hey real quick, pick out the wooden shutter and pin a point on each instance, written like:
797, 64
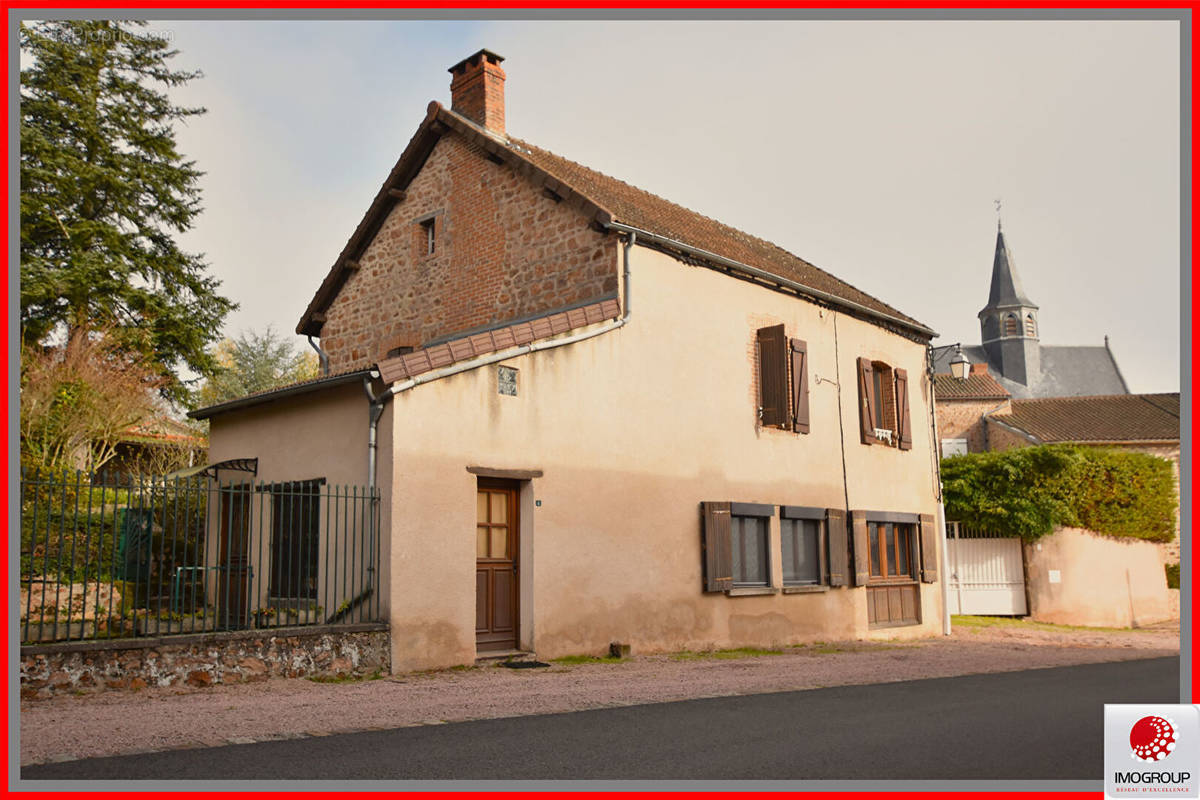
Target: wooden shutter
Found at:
902, 415
716, 543
862, 547
866, 402
835, 523
799, 386
772, 376
929, 549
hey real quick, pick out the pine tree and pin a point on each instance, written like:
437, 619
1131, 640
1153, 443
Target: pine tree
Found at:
104, 193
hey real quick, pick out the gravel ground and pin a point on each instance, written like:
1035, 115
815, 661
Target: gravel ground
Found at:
120, 722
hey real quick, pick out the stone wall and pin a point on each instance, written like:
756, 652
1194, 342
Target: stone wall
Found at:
205, 659
502, 251
963, 419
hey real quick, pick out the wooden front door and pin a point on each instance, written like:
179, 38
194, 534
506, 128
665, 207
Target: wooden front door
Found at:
496, 568
893, 594
233, 586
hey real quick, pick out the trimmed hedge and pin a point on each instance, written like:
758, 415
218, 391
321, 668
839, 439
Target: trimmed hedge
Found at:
1030, 491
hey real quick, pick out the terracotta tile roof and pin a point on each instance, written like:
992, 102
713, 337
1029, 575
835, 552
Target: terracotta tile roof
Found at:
640, 209
1104, 418
427, 359
598, 196
981, 386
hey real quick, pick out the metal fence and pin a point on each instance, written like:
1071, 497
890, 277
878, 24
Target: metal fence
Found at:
104, 558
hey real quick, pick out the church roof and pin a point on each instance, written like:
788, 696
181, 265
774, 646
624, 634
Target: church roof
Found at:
1006, 284
1066, 371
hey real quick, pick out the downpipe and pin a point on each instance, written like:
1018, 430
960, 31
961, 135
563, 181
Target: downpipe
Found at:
937, 471
322, 356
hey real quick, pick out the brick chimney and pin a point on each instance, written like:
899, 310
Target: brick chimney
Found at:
477, 90
979, 369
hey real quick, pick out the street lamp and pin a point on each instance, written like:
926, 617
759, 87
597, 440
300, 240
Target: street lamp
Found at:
960, 365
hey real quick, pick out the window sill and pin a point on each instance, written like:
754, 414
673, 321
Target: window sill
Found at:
814, 589
748, 591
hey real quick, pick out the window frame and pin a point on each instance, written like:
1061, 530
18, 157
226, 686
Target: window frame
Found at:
878, 528
797, 518
761, 514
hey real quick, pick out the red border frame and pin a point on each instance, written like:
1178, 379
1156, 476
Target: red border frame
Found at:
5, 464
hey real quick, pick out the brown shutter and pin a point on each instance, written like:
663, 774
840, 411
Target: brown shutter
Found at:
825, 569
862, 547
772, 376
799, 386
902, 415
717, 545
838, 548
929, 548
866, 402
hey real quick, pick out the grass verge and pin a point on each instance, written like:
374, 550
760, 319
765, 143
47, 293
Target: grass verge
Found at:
1019, 624
575, 660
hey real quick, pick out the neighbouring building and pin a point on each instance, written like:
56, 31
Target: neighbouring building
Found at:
594, 416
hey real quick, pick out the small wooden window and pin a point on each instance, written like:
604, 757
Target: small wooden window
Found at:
429, 232
891, 546
1030, 327
1010, 325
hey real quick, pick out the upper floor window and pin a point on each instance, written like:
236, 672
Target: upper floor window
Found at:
884, 416
429, 230
782, 380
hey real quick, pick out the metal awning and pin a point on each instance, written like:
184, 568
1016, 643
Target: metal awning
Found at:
210, 470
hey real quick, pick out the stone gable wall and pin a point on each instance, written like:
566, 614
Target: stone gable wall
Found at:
503, 250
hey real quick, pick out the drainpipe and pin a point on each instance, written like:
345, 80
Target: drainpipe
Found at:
941, 519
322, 356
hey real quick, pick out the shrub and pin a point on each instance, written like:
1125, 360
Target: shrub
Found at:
1172, 575
1030, 491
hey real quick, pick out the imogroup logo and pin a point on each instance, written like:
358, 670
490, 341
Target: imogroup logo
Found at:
1152, 738
1151, 750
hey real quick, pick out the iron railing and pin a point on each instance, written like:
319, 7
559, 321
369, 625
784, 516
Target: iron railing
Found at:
158, 556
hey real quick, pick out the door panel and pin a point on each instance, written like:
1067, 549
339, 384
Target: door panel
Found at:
496, 570
233, 590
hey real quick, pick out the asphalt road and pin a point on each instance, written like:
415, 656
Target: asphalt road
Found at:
1036, 724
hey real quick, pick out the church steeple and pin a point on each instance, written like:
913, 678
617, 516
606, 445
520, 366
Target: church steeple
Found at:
1009, 321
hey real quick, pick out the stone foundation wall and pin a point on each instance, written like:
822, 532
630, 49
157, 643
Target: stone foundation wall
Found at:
205, 659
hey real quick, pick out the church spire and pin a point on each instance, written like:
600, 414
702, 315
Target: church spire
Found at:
1006, 286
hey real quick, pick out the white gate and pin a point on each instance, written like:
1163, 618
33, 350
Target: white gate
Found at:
986, 575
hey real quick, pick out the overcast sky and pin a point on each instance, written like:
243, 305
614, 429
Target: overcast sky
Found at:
874, 150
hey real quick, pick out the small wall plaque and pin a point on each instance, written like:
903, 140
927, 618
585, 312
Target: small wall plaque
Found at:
507, 381
1055, 576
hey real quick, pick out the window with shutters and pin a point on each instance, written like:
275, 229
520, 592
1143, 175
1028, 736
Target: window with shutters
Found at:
735, 541
884, 404
782, 380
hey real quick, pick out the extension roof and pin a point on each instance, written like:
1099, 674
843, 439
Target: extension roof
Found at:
980, 386
603, 199
1115, 418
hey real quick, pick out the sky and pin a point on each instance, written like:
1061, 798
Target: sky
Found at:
873, 149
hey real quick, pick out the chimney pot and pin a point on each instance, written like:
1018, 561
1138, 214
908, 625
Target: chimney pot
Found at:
477, 90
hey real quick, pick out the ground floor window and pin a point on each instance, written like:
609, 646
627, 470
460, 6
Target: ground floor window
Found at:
801, 551
750, 562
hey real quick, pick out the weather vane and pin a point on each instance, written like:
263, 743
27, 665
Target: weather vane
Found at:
997, 202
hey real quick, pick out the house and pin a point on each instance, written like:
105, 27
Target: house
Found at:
153, 447
594, 416
1012, 349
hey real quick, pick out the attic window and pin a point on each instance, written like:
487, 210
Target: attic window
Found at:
429, 230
